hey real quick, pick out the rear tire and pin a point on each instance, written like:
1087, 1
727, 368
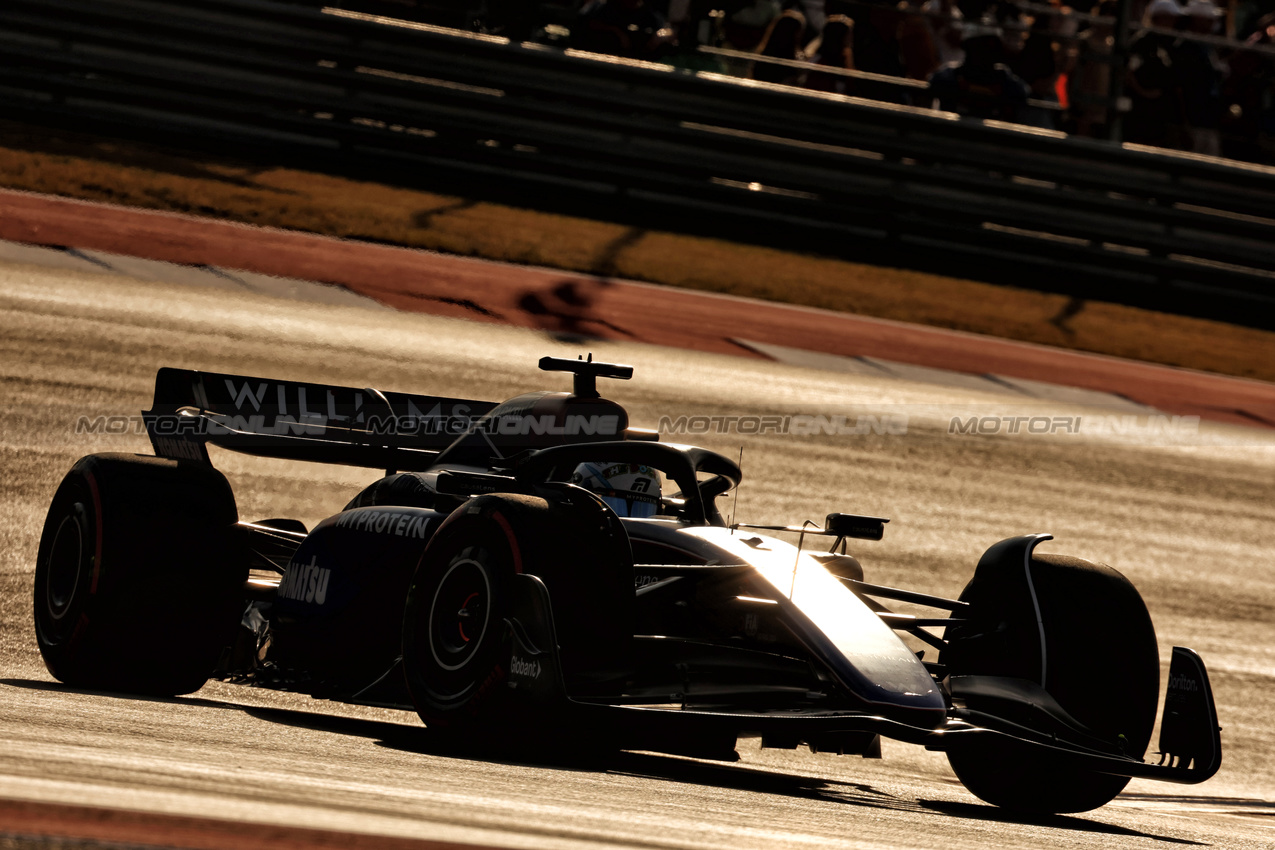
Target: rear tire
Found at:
1101, 665
138, 587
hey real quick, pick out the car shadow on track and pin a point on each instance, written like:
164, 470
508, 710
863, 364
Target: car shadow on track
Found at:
38, 685
748, 778
751, 778
388, 732
737, 777
983, 812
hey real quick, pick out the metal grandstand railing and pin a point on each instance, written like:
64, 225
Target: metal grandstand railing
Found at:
650, 145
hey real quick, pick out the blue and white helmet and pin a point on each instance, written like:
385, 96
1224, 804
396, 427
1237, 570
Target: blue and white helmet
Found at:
632, 490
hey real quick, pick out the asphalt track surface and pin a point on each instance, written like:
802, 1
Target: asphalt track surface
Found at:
1186, 515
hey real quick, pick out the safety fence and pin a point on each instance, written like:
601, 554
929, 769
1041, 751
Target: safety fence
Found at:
653, 146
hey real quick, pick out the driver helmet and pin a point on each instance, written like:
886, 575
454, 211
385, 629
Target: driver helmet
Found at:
630, 489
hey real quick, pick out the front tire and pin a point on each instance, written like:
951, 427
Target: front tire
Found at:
456, 644
1100, 661
137, 585
454, 631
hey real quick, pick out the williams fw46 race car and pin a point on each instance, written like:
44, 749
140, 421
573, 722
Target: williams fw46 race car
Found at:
538, 569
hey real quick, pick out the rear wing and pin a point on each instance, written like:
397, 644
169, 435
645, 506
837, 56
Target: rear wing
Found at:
299, 421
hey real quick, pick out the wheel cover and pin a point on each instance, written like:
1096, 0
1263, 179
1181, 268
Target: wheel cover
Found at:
64, 567
459, 614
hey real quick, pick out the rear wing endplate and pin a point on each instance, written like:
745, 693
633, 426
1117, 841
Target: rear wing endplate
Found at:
302, 421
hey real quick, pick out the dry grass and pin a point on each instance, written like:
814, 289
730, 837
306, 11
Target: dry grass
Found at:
138, 175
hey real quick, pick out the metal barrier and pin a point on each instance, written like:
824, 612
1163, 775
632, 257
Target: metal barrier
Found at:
657, 147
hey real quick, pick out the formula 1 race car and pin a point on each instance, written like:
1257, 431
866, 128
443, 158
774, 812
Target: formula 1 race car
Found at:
539, 569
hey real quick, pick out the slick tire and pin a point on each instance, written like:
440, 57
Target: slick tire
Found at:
138, 586
1102, 667
454, 626
456, 643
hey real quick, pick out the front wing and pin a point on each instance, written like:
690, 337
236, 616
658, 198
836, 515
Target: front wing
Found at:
1190, 742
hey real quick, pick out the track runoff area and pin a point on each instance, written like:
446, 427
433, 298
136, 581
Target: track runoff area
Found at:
204, 253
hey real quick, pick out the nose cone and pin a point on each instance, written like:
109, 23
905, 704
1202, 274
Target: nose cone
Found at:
864, 654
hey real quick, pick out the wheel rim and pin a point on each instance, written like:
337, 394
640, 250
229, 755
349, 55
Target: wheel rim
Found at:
459, 614
65, 566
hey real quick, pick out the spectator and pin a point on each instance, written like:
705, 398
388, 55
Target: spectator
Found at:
786, 39
629, 28
1089, 85
1038, 63
1250, 91
695, 23
982, 86
1200, 74
916, 42
1155, 98
835, 49
747, 22
890, 41
945, 31
876, 40
815, 12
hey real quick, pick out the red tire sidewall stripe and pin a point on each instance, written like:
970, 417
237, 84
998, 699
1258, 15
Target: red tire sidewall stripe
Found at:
509, 536
97, 530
